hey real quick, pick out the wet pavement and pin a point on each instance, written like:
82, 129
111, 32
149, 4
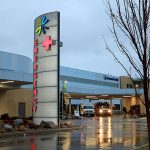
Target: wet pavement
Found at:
101, 133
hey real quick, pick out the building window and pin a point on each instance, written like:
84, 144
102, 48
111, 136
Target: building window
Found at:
129, 86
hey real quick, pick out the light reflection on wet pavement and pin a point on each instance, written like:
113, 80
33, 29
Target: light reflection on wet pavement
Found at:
102, 133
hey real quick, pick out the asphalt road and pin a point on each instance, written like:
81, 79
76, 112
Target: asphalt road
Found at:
101, 133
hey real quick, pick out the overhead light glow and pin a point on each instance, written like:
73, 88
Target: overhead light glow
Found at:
91, 96
104, 95
127, 96
5, 82
65, 81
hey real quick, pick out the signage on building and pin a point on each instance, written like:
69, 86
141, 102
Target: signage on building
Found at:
111, 78
46, 68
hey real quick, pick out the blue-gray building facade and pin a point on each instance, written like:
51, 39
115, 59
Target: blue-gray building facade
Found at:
16, 72
15, 68
90, 80
88, 83
92, 86
20, 68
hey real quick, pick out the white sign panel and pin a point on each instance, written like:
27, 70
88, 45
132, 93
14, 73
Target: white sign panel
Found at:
46, 68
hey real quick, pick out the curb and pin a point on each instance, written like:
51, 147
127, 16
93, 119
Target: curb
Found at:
37, 132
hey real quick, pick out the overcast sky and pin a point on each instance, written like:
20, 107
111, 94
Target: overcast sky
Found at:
83, 23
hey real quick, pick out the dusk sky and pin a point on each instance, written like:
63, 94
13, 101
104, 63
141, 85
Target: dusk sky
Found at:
83, 23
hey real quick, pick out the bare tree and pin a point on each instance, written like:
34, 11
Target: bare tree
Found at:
131, 32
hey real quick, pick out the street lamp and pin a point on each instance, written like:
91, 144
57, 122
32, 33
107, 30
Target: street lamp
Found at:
64, 86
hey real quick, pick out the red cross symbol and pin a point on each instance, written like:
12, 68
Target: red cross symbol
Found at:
47, 43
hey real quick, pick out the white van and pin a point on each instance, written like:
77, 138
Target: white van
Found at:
87, 110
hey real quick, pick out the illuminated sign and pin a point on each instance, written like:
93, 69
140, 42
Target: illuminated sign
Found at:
40, 25
35, 75
46, 68
47, 43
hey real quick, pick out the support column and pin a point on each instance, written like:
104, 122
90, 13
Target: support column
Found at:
121, 104
62, 103
69, 106
111, 106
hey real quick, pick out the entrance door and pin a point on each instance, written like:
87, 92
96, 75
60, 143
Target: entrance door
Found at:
21, 110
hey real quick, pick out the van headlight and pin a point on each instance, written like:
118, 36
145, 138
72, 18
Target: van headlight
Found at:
109, 110
101, 111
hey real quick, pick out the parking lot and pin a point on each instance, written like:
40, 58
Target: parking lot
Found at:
98, 133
